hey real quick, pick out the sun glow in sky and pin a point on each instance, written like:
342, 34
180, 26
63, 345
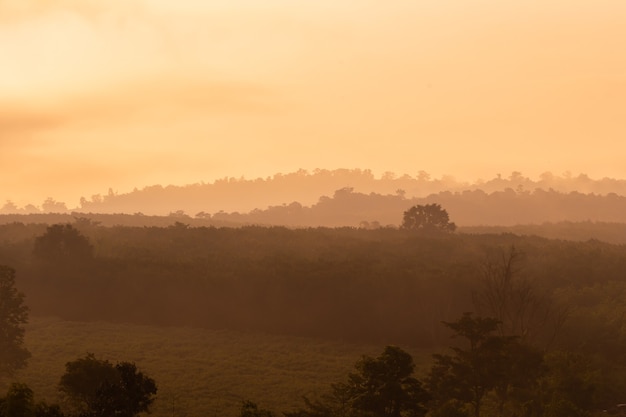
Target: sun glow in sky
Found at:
128, 93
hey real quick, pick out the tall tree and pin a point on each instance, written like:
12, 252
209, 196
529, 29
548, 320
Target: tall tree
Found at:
469, 374
428, 218
487, 364
13, 317
62, 243
520, 309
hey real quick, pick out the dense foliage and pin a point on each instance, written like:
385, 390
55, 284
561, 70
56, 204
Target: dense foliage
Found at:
384, 386
92, 388
97, 388
381, 285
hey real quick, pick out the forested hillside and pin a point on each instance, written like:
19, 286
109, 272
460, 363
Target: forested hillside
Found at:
469, 208
548, 198
571, 216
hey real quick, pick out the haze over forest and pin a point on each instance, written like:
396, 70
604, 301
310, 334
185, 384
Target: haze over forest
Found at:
228, 203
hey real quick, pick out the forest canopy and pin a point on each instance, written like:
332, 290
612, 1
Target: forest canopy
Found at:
382, 284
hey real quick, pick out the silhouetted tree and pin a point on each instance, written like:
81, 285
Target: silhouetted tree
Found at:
384, 386
50, 205
381, 387
97, 388
13, 317
511, 299
488, 364
19, 402
467, 376
62, 243
428, 218
83, 379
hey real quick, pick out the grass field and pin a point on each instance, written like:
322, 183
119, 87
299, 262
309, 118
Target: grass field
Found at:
198, 372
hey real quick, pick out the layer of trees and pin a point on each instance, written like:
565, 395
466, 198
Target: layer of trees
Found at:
566, 230
362, 285
347, 207
508, 207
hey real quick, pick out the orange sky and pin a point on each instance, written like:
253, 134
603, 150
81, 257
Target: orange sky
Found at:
128, 93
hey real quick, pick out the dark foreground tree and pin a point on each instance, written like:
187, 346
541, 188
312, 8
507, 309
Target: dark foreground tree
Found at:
487, 364
385, 386
97, 388
382, 387
13, 317
466, 377
19, 402
428, 218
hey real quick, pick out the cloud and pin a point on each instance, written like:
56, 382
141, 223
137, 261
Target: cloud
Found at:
137, 101
15, 120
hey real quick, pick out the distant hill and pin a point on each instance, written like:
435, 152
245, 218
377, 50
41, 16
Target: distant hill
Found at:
232, 195
551, 214
578, 208
468, 208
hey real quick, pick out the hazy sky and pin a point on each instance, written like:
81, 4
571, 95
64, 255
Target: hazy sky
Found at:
128, 93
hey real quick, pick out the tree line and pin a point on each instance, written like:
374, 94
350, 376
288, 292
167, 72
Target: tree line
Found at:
352, 284
346, 207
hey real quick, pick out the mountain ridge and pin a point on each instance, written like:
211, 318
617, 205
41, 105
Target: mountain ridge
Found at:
230, 194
